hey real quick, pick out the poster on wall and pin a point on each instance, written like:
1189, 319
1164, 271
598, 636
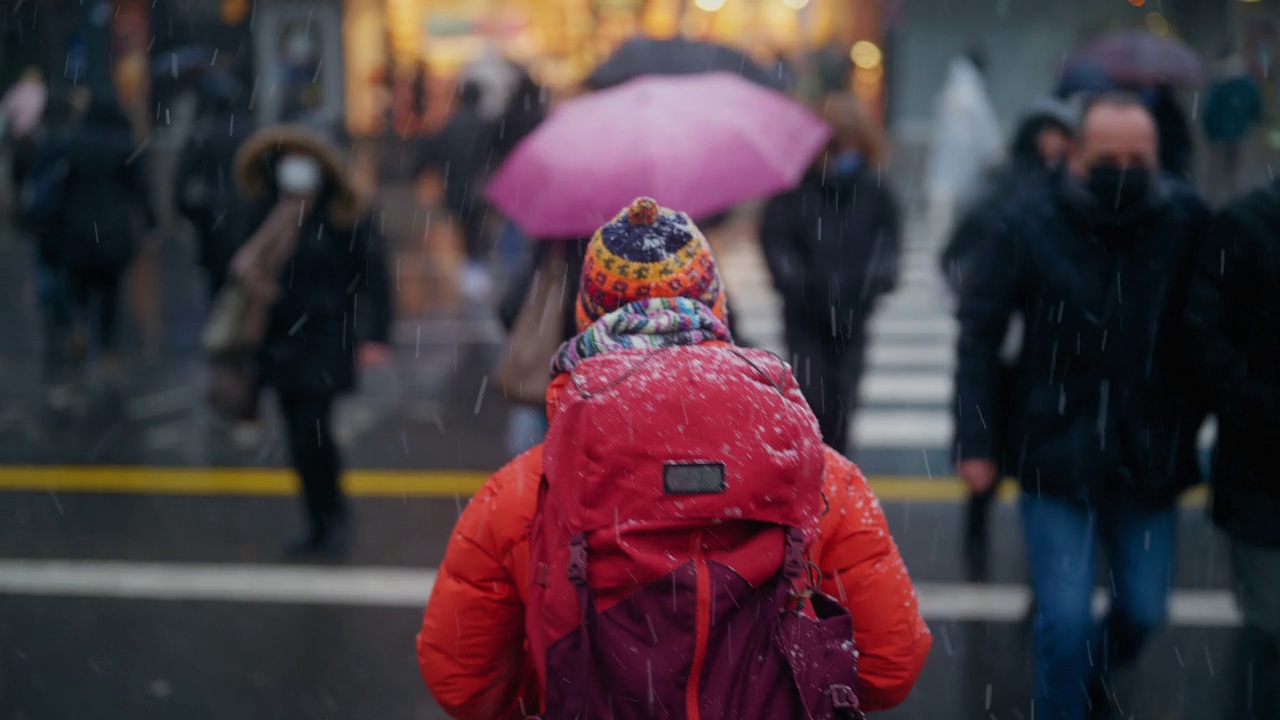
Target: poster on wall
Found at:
300, 62
299, 50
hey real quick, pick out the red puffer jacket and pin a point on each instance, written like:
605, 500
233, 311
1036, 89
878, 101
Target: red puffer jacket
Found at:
472, 648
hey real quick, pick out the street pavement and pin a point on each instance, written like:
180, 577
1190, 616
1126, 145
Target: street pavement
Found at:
140, 565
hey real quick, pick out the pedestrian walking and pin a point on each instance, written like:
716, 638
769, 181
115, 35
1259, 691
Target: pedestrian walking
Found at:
1104, 416
832, 246
1233, 315
1036, 154
107, 207
1232, 106
318, 303
206, 193
966, 142
538, 609
461, 154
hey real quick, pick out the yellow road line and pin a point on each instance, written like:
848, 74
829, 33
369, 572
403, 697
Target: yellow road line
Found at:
371, 483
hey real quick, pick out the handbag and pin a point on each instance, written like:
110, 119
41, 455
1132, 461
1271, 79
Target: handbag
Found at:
224, 331
523, 371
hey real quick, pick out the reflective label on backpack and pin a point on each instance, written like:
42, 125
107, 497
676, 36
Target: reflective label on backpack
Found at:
693, 478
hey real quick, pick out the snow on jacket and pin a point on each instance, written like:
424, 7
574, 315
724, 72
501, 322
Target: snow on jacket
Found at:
472, 648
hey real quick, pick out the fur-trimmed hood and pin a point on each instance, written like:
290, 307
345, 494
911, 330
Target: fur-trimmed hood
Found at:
256, 160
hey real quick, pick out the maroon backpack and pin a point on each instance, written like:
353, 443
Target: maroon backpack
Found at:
682, 489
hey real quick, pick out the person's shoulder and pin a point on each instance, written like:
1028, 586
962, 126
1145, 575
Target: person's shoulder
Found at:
511, 493
843, 483
1181, 190
497, 517
1027, 204
1184, 201
1258, 205
875, 180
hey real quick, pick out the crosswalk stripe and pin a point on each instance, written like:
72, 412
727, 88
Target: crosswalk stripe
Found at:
410, 588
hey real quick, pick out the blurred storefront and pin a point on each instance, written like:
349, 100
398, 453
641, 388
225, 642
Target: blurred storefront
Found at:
399, 56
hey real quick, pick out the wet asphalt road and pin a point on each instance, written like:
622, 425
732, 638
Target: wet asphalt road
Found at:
94, 656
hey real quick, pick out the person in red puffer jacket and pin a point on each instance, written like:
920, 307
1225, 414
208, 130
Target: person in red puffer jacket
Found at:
649, 283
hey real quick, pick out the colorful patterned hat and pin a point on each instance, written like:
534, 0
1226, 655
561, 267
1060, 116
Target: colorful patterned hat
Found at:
646, 252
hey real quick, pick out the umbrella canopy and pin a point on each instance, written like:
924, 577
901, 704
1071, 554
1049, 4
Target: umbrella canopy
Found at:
1078, 76
700, 144
1138, 57
677, 56
180, 62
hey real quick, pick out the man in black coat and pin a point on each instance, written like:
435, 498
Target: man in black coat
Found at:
1233, 315
1104, 422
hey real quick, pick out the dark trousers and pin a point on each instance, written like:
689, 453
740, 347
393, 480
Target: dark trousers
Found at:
95, 294
55, 320
314, 453
471, 221
828, 367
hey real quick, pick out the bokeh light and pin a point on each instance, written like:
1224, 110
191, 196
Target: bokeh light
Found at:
866, 54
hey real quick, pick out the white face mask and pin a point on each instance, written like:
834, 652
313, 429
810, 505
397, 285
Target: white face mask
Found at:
298, 174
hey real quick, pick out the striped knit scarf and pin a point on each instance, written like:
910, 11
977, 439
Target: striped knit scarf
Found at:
643, 325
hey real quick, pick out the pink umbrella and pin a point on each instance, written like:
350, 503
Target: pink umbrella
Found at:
697, 143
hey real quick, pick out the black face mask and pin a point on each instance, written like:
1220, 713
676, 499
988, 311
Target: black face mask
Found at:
1121, 191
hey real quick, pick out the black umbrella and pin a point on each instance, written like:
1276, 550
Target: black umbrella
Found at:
678, 56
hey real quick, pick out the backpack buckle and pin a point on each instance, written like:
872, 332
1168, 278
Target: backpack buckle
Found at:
793, 554
578, 559
843, 698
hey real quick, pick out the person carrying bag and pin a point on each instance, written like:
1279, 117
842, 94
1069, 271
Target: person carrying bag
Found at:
521, 373
238, 321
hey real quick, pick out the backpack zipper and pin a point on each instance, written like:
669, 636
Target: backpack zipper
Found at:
702, 625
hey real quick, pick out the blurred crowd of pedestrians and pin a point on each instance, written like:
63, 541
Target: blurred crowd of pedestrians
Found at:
1105, 310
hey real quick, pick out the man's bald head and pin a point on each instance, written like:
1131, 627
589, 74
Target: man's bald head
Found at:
1116, 130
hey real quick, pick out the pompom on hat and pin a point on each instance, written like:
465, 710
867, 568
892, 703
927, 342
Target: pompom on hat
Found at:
647, 251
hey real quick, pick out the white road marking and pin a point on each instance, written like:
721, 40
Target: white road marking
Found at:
891, 388
410, 588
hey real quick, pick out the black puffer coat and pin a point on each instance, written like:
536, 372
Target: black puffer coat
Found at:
1104, 402
335, 293
1233, 315
832, 246
107, 194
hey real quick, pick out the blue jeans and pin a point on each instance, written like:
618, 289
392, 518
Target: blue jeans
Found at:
1072, 651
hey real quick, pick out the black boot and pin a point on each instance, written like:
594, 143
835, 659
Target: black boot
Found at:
330, 539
